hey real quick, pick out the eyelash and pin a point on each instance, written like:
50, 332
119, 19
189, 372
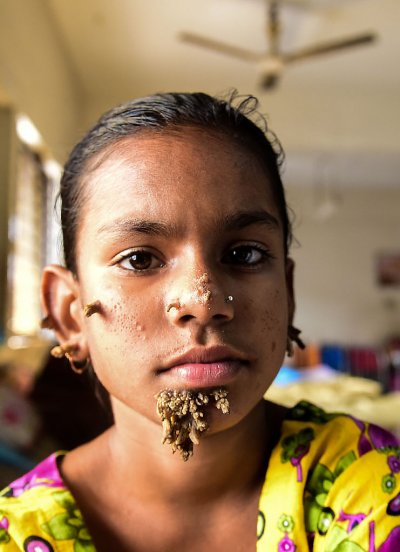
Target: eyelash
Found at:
127, 256
228, 258
265, 256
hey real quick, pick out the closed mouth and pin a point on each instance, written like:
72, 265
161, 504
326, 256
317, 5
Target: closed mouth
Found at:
215, 355
204, 367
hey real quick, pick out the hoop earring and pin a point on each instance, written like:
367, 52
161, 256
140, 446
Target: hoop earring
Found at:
78, 366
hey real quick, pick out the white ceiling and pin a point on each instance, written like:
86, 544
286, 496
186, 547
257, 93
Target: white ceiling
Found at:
342, 108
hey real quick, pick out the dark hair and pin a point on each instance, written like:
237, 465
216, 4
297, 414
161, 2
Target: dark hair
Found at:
161, 113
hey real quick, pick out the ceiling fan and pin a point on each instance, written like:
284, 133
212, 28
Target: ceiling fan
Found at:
274, 60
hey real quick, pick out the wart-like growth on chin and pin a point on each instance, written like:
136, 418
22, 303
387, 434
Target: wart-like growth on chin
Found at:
182, 416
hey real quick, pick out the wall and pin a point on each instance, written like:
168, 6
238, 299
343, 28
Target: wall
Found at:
7, 174
36, 78
337, 296
36, 74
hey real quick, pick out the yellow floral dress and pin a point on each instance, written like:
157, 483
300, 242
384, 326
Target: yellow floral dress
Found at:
332, 485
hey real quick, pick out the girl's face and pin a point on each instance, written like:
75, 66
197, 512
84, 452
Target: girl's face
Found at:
174, 227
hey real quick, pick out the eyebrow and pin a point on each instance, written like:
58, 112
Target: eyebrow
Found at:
132, 226
240, 220
235, 221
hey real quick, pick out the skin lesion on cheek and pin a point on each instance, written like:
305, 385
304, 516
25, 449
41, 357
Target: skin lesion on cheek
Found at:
92, 308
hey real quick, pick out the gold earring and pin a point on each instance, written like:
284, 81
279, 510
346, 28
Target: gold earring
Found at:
60, 351
78, 366
67, 350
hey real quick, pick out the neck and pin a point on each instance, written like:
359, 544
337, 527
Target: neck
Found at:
231, 461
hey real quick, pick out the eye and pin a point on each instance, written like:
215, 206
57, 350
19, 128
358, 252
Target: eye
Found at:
138, 260
247, 255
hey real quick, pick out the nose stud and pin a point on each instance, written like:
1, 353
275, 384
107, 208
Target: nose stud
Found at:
229, 299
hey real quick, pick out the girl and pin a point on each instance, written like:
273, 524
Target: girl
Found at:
177, 290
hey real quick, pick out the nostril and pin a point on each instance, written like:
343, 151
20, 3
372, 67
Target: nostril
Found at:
187, 317
219, 316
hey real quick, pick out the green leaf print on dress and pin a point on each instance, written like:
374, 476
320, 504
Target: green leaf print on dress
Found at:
295, 447
4, 536
69, 525
307, 412
339, 542
320, 480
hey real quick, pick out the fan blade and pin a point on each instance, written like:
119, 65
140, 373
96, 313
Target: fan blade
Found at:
273, 26
327, 47
221, 47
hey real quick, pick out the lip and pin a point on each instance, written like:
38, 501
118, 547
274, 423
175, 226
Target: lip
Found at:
205, 366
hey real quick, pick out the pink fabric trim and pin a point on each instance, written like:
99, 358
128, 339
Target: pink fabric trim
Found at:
45, 474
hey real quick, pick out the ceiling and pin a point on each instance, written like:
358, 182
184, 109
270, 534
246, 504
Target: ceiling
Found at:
340, 111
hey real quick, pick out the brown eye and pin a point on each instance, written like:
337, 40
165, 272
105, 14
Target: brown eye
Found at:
139, 261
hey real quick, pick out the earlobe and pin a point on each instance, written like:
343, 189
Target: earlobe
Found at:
61, 303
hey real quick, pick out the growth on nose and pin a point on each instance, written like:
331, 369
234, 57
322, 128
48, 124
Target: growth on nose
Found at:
200, 302
203, 293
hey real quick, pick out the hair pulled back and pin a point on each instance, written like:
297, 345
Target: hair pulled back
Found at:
161, 113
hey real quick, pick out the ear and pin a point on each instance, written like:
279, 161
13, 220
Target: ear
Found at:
289, 269
61, 301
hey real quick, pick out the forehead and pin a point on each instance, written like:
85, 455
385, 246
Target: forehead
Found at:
192, 143
155, 172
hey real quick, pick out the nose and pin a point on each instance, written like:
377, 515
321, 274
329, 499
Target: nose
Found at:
201, 300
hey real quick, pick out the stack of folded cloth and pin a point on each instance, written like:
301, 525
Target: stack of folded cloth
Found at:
337, 392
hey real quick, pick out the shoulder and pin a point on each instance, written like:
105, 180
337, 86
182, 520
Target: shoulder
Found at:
332, 433
313, 441
37, 511
335, 445
337, 477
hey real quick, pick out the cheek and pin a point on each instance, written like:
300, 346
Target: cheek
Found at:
122, 331
126, 318
269, 312
123, 312
267, 320
120, 347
